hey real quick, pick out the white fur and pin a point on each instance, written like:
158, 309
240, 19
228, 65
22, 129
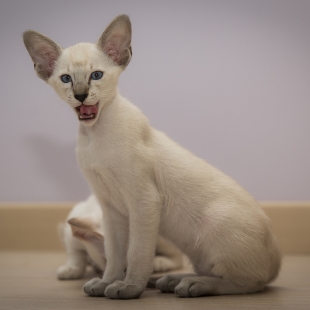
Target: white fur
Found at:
78, 249
149, 185
84, 239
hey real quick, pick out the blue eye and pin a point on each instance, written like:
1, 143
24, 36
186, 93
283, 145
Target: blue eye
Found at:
96, 75
66, 78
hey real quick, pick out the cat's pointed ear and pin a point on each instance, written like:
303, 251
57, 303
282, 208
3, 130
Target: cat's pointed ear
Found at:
43, 51
115, 41
85, 228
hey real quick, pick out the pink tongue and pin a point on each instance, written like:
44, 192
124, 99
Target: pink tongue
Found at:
88, 109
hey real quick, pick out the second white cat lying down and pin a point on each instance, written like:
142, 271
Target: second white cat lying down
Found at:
84, 241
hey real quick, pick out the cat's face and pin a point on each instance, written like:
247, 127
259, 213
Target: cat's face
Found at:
86, 79
84, 75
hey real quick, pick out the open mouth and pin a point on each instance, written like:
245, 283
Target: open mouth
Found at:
87, 112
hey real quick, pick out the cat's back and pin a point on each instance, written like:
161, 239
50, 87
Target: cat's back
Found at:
190, 178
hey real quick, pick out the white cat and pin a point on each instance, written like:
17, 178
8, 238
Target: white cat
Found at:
149, 185
82, 235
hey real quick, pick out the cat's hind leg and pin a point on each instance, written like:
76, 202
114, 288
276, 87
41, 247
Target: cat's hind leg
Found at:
168, 283
191, 285
204, 285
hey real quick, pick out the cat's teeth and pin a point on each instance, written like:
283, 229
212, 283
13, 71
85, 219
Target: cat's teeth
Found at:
86, 116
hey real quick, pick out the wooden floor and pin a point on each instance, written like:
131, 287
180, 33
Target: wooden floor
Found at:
28, 281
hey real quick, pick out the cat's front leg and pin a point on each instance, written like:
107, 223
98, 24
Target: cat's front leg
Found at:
74, 267
76, 256
116, 240
144, 219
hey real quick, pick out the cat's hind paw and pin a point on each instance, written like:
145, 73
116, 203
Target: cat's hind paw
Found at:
95, 287
168, 283
192, 287
122, 290
66, 272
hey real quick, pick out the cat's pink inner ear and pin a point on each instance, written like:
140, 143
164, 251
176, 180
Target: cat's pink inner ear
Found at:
86, 235
45, 56
85, 228
115, 47
112, 51
83, 222
50, 63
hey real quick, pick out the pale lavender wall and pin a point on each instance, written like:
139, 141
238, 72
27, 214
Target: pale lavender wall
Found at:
230, 80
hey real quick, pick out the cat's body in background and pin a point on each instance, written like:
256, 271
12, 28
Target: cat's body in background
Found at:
148, 185
82, 235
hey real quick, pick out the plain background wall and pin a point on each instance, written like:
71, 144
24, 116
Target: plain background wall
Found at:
229, 80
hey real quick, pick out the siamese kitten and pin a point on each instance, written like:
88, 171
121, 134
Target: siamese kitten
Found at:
149, 185
83, 238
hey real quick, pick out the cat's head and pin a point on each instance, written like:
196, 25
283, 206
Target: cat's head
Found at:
84, 75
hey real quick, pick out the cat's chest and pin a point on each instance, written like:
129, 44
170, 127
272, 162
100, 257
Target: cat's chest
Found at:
98, 160
93, 153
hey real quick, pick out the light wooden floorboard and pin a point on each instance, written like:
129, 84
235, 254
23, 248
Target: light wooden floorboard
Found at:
28, 281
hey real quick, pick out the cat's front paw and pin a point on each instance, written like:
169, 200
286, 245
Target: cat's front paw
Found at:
66, 272
122, 290
95, 287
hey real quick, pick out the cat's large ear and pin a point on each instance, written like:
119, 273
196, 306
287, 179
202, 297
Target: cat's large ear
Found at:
85, 228
115, 41
43, 51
